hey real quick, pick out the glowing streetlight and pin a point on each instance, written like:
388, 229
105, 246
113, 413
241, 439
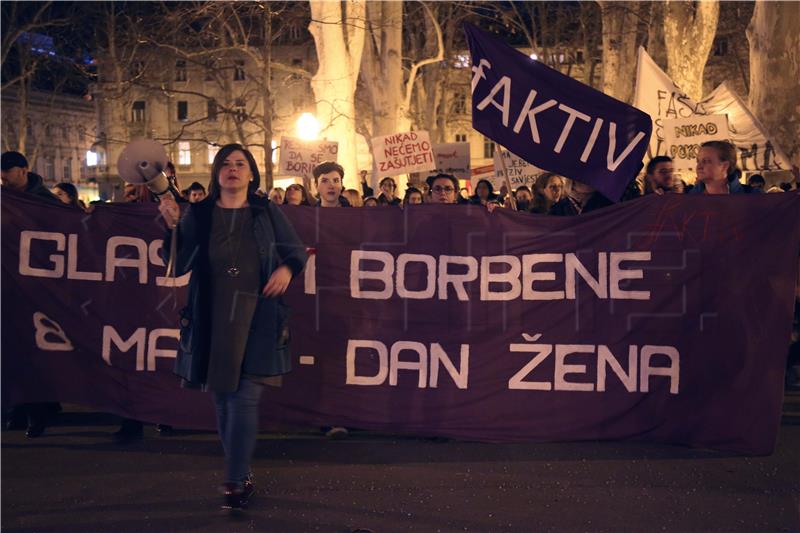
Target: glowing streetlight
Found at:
534, 56
307, 127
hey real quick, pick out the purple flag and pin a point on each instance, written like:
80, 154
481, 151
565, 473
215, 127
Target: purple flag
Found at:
645, 320
553, 121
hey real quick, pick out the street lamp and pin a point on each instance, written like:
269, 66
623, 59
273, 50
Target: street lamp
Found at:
307, 127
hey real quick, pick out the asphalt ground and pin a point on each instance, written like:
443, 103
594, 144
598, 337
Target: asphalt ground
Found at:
74, 478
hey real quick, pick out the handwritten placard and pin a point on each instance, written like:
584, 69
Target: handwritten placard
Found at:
683, 137
299, 157
403, 153
452, 158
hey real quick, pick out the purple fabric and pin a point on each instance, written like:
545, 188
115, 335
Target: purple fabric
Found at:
574, 121
719, 283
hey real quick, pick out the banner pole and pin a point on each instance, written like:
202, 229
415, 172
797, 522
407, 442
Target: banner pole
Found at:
499, 153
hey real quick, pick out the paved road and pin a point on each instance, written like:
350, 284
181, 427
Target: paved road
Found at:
74, 479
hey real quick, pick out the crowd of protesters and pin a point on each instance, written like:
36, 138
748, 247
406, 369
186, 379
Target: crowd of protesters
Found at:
552, 194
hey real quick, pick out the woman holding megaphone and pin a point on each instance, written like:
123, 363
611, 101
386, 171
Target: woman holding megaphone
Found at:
242, 253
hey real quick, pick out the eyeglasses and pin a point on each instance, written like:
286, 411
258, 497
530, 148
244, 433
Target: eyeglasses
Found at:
439, 188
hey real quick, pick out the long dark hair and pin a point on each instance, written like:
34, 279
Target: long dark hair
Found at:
219, 160
72, 192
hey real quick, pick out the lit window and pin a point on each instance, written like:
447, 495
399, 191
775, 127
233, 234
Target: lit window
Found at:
212, 153
239, 110
184, 153
274, 145
91, 158
488, 148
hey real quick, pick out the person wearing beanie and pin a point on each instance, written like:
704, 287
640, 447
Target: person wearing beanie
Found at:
16, 177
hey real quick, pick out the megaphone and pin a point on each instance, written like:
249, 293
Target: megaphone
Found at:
142, 162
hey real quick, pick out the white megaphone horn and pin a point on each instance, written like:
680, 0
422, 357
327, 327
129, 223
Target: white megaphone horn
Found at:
142, 162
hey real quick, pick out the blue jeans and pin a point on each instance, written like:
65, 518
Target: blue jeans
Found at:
237, 423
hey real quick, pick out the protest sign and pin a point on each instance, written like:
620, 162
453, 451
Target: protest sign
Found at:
299, 157
402, 153
452, 158
553, 121
625, 323
683, 137
520, 172
657, 95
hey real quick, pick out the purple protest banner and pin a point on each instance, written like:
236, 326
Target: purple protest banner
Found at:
553, 121
663, 319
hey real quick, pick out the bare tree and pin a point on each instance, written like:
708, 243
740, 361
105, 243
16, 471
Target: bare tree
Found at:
625, 25
27, 54
689, 29
774, 71
339, 31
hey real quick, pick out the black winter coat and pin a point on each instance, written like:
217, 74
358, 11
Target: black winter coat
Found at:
267, 351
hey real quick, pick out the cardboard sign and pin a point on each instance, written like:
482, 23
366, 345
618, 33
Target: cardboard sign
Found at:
299, 157
452, 158
683, 137
403, 153
520, 172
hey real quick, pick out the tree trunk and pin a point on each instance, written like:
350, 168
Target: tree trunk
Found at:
774, 71
266, 54
338, 29
689, 30
620, 31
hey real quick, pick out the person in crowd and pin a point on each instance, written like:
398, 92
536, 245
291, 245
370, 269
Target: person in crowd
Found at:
443, 189
484, 193
370, 201
463, 195
775, 188
296, 194
353, 198
329, 176
277, 195
580, 198
16, 176
658, 176
785, 186
68, 194
242, 253
524, 198
757, 182
717, 172
366, 190
329, 179
413, 196
679, 186
548, 190
387, 196
196, 193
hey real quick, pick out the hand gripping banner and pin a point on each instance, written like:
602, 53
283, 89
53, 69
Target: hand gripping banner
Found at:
664, 319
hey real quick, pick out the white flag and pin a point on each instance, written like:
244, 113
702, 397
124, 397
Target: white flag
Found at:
658, 96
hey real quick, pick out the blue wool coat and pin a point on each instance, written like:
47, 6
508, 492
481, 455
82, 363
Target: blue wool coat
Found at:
267, 352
